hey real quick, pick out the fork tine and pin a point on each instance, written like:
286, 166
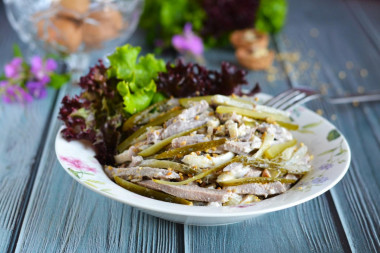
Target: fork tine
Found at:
292, 97
292, 100
278, 97
301, 101
283, 100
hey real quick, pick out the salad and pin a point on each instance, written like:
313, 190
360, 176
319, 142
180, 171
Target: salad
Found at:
184, 134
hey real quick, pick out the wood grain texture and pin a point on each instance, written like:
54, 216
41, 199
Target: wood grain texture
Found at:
340, 40
367, 14
309, 227
64, 216
22, 128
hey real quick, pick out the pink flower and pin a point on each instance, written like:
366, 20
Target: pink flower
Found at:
12, 93
37, 89
188, 42
41, 69
77, 164
14, 68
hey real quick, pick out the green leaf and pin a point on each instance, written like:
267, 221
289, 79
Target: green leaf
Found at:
58, 80
137, 75
17, 51
148, 68
136, 99
332, 135
271, 15
123, 62
158, 96
327, 152
312, 125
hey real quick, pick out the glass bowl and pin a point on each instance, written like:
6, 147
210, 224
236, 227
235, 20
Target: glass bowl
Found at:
74, 29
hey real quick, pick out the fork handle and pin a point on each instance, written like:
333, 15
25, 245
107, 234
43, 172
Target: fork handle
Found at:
374, 96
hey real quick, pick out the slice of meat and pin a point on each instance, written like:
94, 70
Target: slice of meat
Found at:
136, 160
238, 147
260, 189
192, 117
140, 172
195, 109
188, 140
241, 147
253, 173
201, 161
153, 136
126, 156
190, 192
181, 125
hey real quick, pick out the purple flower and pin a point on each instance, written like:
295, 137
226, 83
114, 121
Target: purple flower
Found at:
13, 93
319, 180
37, 89
326, 166
41, 69
188, 42
14, 68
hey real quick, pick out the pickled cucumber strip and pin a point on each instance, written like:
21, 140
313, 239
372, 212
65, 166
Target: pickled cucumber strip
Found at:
232, 101
252, 180
287, 125
137, 117
267, 142
202, 146
265, 164
160, 145
252, 113
157, 121
277, 149
179, 167
141, 190
185, 102
198, 176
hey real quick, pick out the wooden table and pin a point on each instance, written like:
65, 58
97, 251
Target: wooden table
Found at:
329, 45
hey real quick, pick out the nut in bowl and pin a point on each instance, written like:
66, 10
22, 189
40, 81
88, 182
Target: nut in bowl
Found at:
327, 145
252, 49
68, 27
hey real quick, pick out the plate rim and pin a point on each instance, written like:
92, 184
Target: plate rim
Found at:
217, 212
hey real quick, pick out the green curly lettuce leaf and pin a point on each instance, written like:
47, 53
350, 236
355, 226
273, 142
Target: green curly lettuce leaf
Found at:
271, 15
135, 98
136, 76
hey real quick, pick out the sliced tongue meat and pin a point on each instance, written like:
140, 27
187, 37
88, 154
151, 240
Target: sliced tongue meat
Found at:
140, 172
190, 192
260, 189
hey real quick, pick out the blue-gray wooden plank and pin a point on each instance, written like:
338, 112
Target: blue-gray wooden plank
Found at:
45, 193
348, 60
310, 227
22, 128
63, 216
368, 14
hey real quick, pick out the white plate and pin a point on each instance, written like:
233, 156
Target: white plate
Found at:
331, 152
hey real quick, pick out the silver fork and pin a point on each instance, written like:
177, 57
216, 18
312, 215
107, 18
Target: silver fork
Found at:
288, 99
